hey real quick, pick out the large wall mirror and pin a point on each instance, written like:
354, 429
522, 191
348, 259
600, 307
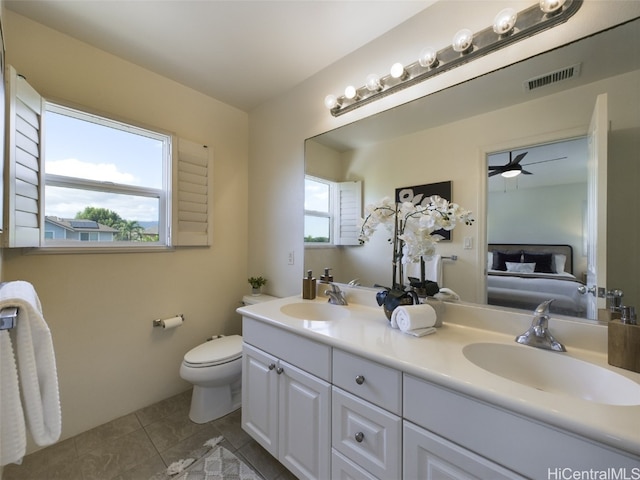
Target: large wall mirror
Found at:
457, 134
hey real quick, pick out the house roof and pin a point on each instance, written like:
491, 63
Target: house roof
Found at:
80, 225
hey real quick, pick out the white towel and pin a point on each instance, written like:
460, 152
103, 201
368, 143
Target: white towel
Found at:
13, 437
36, 363
417, 320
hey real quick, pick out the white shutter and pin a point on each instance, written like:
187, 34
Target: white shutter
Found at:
192, 185
348, 212
22, 219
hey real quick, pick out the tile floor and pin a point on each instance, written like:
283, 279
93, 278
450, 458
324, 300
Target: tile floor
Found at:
138, 445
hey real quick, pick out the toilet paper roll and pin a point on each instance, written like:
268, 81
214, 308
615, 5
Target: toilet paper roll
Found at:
173, 322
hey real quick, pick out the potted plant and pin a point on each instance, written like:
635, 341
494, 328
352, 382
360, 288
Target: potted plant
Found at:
256, 284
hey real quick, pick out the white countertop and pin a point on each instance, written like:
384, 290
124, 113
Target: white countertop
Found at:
439, 358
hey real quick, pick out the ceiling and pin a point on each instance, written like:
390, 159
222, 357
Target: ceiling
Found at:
240, 52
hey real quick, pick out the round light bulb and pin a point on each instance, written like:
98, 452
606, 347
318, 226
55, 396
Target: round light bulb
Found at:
330, 101
372, 82
505, 21
428, 57
551, 6
397, 70
462, 40
350, 92
511, 173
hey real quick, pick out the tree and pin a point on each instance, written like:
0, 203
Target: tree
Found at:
128, 230
101, 215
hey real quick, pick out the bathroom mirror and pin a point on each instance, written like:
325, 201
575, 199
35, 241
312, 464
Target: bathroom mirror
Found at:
449, 136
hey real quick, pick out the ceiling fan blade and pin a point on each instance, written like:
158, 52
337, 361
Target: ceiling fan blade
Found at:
496, 167
497, 172
519, 158
526, 173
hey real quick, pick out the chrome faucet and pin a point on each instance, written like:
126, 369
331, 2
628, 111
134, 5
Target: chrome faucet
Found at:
336, 296
538, 334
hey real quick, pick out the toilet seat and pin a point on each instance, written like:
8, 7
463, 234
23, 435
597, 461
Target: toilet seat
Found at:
215, 352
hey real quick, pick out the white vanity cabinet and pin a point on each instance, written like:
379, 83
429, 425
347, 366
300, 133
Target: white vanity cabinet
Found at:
444, 429
285, 408
366, 428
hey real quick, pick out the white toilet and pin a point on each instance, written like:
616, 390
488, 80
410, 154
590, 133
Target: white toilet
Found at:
215, 369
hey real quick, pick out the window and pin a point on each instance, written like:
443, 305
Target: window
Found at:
105, 181
96, 182
318, 218
332, 212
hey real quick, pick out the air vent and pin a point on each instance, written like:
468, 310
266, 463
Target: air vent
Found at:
552, 77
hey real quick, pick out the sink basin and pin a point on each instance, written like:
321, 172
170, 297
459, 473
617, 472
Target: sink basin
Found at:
554, 373
322, 312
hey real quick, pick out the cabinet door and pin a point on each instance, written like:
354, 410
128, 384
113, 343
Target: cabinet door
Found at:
260, 397
305, 418
430, 457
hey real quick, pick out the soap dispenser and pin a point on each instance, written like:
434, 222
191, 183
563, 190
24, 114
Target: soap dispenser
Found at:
624, 340
309, 286
327, 277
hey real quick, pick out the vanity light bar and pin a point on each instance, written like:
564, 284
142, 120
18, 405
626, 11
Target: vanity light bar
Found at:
535, 19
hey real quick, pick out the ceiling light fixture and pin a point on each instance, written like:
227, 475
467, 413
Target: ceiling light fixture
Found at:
514, 172
508, 27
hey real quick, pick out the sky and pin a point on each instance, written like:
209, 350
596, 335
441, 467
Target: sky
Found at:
86, 150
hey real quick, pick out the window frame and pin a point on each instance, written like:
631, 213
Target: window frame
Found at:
330, 214
163, 195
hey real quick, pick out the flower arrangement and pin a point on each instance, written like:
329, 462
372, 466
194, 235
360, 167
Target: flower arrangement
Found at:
413, 227
257, 282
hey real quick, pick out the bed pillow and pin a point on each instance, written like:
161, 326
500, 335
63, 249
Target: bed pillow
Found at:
520, 267
500, 259
543, 261
559, 261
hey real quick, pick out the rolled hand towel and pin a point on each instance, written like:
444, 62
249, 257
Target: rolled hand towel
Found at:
417, 320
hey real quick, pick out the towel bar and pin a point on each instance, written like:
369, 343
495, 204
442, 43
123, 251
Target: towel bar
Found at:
452, 257
8, 317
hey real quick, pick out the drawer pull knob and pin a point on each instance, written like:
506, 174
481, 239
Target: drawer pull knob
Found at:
272, 366
279, 370
360, 379
359, 437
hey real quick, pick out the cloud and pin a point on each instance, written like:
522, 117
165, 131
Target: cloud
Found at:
102, 172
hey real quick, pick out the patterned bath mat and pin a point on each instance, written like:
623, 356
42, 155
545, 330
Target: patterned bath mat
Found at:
218, 464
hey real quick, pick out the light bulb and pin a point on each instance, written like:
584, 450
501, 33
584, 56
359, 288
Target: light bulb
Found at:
428, 57
505, 21
397, 71
330, 101
551, 6
372, 82
350, 92
511, 173
462, 40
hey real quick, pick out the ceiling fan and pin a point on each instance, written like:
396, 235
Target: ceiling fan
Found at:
511, 169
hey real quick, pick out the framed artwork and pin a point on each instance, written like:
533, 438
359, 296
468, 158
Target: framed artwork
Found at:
420, 194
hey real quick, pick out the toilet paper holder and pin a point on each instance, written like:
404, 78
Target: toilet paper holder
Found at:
160, 322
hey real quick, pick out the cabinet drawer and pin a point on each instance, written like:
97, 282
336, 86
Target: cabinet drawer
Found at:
310, 356
375, 383
366, 434
344, 469
428, 456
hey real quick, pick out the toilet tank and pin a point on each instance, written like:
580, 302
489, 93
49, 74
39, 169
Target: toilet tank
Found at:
254, 299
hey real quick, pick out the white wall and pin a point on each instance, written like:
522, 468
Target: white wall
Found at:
278, 129
100, 307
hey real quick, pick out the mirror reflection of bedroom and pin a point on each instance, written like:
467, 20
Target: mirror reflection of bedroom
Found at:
536, 231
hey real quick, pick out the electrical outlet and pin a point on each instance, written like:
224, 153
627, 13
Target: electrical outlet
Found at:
291, 258
468, 243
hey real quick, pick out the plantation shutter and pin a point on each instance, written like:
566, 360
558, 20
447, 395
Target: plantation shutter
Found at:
349, 211
192, 204
23, 172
